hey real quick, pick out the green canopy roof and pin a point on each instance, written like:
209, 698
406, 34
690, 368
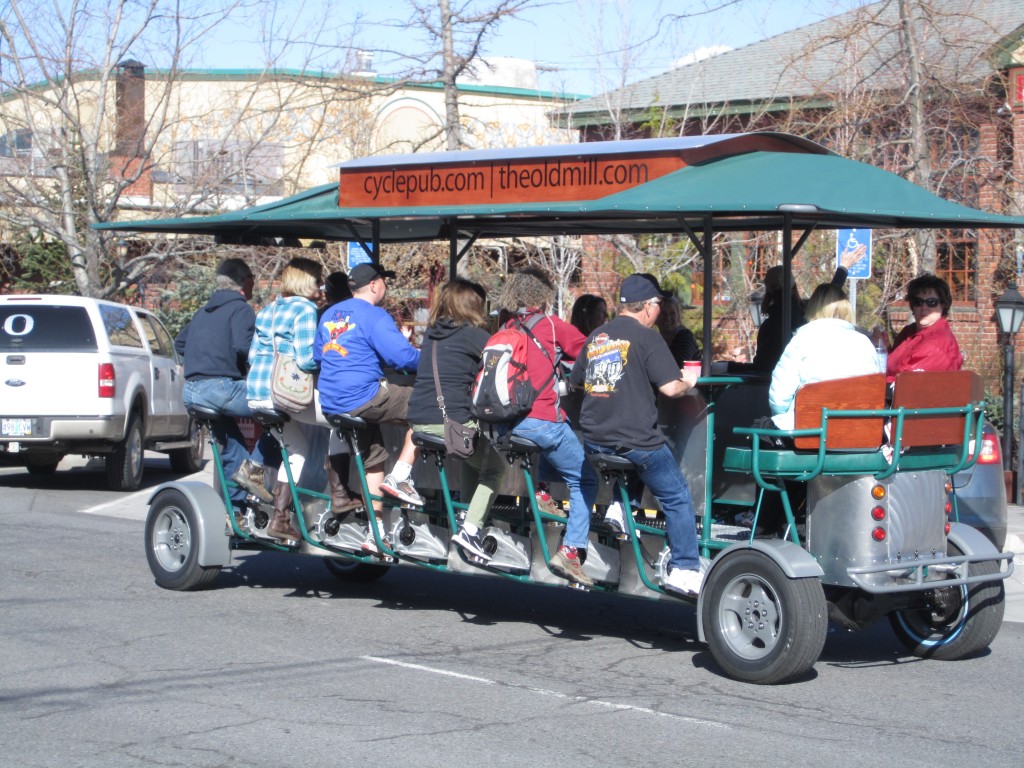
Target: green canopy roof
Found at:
730, 187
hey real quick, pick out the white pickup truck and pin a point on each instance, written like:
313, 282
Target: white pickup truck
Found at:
94, 378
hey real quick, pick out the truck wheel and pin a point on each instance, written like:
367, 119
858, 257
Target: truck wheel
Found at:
124, 464
957, 621
353, 572
761, 626
172, 545
186, 461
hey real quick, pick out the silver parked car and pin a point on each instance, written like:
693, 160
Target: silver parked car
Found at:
981, 492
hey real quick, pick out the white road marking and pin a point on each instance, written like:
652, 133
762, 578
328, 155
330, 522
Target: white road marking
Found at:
546, 692
135, 506
130, 511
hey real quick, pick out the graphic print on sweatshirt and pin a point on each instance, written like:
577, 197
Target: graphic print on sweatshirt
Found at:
336, 332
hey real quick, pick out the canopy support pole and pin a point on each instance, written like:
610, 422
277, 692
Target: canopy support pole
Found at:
789, 250
453, 250
787, 278
455, 253
704, 249
373, 248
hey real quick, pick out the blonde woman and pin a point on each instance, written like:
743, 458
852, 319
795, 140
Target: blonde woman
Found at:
828, 347
289, 323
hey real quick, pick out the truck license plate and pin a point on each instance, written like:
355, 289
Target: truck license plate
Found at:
16, 427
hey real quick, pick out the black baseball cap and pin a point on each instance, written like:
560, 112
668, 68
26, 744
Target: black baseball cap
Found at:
364, 274
639, 287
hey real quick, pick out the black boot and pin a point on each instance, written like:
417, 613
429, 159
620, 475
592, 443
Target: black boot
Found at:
337, 473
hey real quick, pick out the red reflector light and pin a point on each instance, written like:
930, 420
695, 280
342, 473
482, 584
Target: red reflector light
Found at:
991, 453
947, 529
878, 513
107, 382
949, 508
878, 534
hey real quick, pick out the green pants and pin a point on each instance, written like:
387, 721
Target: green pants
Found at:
482, 474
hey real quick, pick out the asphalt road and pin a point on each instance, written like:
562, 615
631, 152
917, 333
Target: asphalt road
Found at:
280, 664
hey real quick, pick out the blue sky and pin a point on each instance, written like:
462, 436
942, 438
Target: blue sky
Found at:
579, 43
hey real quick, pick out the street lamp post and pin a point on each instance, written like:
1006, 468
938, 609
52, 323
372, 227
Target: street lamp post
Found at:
755, 300
1010, 315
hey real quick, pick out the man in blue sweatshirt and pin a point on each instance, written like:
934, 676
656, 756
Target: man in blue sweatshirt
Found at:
355, 339
215, 345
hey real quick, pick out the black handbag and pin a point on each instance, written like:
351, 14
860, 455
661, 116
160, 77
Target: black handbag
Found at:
459, 440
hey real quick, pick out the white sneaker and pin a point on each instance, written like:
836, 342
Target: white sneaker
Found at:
369, 545
616, 520
404, 490
684, 582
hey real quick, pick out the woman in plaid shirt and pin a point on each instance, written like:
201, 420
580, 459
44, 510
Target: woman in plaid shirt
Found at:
289, 322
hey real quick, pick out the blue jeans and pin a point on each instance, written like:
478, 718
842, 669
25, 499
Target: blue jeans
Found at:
561, 449
228, 397
660, 472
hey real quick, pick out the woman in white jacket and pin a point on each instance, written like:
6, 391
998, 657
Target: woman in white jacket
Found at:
828, 347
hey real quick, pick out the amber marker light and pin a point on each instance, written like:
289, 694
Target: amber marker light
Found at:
878, 492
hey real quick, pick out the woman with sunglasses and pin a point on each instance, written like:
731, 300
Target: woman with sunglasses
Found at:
927, 344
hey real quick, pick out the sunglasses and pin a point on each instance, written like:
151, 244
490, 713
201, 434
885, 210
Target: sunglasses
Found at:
917, 301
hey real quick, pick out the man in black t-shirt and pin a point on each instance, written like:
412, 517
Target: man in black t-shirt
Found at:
623, 365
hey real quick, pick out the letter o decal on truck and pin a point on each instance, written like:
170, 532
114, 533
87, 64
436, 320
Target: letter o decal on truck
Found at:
27, 323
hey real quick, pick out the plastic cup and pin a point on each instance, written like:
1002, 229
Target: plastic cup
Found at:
695, 366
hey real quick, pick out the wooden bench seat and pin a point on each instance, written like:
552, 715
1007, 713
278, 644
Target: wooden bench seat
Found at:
845, 412
933, 417
779, 462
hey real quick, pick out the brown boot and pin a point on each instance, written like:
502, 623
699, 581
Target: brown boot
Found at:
281, 524
337, 473
250, 477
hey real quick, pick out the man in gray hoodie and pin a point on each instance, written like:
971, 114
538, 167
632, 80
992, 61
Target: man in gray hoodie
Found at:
215, 345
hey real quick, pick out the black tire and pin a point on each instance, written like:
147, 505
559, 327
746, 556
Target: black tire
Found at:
172, 545
353, 572
762, 626
187, 461
958, 621
124, 464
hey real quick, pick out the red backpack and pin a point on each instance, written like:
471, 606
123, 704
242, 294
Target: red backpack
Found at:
503, 391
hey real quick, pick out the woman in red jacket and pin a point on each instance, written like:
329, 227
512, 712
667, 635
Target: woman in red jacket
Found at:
927, 344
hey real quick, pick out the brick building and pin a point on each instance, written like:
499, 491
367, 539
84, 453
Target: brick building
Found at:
849, 82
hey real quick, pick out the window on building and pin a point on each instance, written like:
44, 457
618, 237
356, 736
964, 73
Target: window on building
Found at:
231, 167
16, 143
956, 262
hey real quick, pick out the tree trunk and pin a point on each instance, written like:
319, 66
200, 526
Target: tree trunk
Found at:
452, 125
920, 152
